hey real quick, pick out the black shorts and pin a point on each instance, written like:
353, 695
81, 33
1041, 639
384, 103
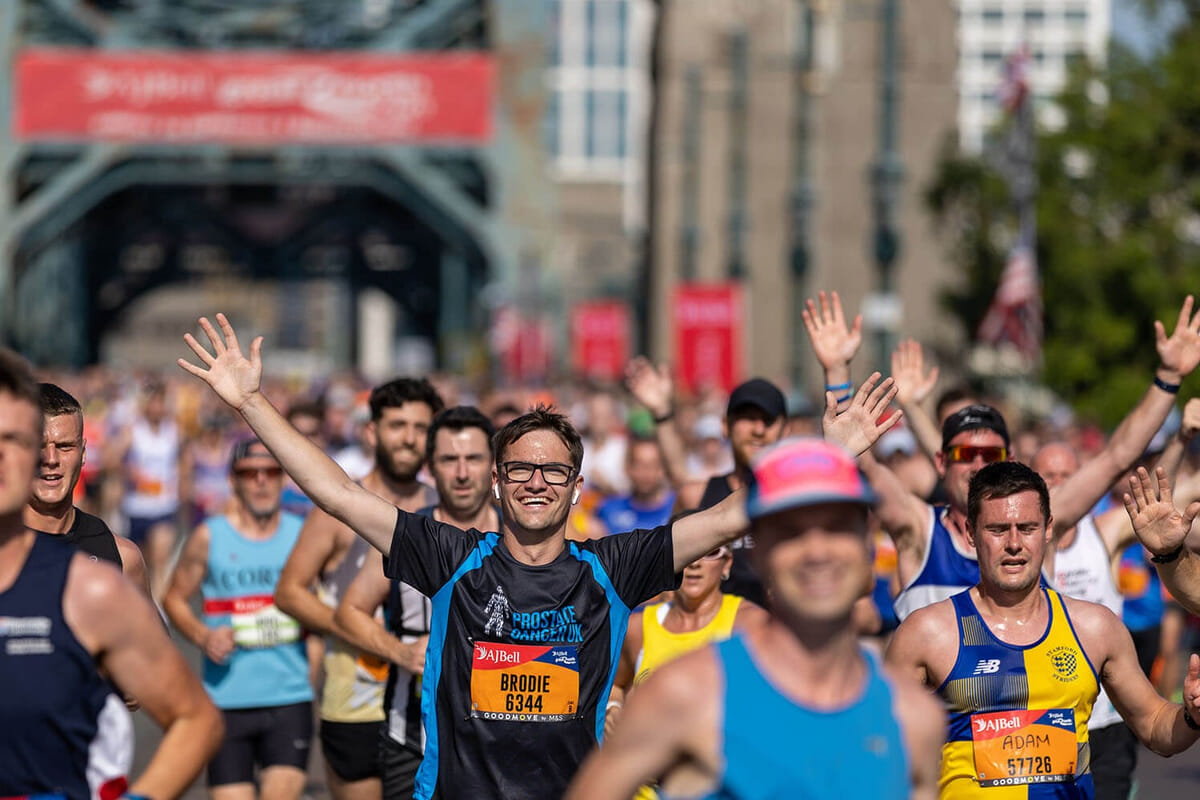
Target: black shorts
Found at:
276, 736
400, 766
351, 749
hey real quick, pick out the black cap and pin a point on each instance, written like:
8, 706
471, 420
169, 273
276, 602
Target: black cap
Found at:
973, 418
761, 394
242, 450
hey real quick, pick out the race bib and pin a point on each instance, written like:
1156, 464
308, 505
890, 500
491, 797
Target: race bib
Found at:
524, 683
257, 623
1017, 747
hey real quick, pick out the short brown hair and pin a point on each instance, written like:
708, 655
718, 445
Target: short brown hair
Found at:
16, 379
541, 418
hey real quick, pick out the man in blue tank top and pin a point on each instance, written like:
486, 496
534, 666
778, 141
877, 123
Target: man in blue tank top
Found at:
794, 708
68, 625
255, 662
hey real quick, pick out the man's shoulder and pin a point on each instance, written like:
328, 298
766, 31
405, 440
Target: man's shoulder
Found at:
86, 525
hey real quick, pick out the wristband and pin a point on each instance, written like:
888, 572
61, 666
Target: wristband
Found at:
1187, 720
843, 398
838, 387
129, 796
1169, 388
1167, 558
667, 417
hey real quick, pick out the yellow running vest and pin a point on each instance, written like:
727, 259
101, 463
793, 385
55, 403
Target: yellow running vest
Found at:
1018, 715
659, 645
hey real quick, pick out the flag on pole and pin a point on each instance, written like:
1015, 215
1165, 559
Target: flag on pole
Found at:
1014, 86
1015, 315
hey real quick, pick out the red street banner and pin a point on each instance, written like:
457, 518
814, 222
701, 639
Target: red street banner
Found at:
523, 344
254, 97
707, 321
600, 339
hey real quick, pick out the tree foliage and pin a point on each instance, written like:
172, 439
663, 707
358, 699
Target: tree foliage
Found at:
1118, 216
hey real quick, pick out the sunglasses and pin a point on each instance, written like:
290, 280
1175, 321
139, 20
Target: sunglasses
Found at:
965, 454
719, 553
522, 472
250, 473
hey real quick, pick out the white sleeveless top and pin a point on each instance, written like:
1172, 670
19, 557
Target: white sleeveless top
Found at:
1083, 570
153, 464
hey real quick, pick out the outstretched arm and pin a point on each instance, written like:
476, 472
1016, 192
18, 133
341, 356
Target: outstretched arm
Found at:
236, 380
1162, 529
913, 385
833, 342
1178, 355
654, 388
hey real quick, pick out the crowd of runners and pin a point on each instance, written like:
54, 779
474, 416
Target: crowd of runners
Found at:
593, 592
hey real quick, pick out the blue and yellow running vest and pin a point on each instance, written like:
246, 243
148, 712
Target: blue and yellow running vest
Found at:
1018, 715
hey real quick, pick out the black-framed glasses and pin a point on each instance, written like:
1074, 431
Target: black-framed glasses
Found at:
552, 473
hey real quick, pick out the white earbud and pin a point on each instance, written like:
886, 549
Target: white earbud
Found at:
496, 490
575, 499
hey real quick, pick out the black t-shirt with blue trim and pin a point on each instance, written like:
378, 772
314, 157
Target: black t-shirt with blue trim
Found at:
521, 659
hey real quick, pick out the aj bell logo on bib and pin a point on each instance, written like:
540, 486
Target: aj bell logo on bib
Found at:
997, 724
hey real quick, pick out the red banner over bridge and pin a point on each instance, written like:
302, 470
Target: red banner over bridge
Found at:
253, 97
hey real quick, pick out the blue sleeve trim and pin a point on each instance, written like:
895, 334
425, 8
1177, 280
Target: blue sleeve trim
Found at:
618, 622
427, 774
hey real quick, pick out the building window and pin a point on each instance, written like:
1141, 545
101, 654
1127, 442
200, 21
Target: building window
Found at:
993, 15
596, 83
1035, 16
1076, 17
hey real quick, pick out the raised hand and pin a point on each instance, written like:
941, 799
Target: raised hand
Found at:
1181, 352
231, 375
651, 386
858, 427
1159, 525
913, 383
833, 343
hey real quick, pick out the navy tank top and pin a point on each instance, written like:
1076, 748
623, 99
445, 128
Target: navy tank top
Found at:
64, 732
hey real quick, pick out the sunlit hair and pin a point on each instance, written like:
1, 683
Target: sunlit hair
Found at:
1004, 479
458, 419
56, 401
396, 393
539, 419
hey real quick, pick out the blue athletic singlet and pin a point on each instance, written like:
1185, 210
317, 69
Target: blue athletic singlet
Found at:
268, 666
1018, 713
774, 748
946, 570
64, 732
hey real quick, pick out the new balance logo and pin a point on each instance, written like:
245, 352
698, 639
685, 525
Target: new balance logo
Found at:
987, 666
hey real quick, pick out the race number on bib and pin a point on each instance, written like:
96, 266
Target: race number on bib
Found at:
524, 683
1017, 747
256, 622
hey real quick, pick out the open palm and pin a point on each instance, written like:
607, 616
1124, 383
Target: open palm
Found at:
231, 375
1159, 525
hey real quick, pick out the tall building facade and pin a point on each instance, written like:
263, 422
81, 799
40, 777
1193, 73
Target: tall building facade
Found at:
1056, 32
